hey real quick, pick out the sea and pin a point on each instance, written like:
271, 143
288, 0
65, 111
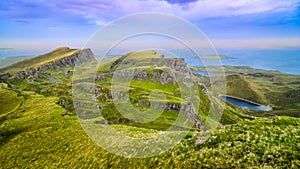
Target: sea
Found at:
286, 61
283, 60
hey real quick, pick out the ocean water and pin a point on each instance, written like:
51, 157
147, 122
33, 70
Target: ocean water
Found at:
8, 52
284, 60
287, 61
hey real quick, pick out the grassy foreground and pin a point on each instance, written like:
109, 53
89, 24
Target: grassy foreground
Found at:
36, 135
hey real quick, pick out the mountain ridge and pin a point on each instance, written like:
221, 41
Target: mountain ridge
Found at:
60, 57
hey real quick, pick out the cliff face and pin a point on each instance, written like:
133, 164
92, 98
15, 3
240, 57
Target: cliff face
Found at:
152, 70
72, 60
105, 95
163, 70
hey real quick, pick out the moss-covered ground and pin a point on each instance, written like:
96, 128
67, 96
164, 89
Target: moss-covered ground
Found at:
36, 135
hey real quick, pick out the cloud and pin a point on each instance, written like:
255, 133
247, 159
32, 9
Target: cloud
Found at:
100, 11
201, 9
22, 21
220, 19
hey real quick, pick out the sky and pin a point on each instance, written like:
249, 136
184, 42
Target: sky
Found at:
47, 24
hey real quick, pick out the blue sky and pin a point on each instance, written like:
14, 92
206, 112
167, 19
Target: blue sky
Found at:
44, 24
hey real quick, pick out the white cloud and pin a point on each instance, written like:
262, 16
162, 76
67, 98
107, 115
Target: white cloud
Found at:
97, 10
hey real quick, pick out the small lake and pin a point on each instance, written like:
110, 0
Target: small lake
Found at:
203, 73
245, 104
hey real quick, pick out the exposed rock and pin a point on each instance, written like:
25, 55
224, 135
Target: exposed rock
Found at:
99, 78
187, 111
21, 74
129, 74
120, 120
116, 94
62, 103
260, 75
156, 77
200, 140
142, 75
84, 55
168, 75
67, 72
195, 133
295, 82
4, 76
177, 64
204, 88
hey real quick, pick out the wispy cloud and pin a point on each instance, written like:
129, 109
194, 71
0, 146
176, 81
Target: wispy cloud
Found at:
22, 21
95, 9
98, 11
222, 20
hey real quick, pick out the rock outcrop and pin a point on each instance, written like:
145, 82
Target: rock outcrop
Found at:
82, 56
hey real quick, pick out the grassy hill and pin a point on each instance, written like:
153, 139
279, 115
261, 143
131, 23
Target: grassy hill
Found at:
39, 127
9, 100
39, 60
240, 87
36, 135
278, 89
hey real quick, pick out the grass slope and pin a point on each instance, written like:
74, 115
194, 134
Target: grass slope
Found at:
39, 60
9, 100
238, 86
278, 89
37, 136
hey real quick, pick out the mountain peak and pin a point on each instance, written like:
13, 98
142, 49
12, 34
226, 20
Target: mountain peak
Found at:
60, 57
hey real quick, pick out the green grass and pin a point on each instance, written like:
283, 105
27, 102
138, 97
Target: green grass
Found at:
37, 136
9, 101
142, 55
238, 86
39, 60
278, 89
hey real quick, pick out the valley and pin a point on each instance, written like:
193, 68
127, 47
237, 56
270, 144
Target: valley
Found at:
47, 101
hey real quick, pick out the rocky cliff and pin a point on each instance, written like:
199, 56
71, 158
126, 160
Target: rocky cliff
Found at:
163, 71
156, 69
75, 58
147, 67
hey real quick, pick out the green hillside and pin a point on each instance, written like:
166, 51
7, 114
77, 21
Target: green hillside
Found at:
39, 127
278, 89
9, 100
240, 87
36, 61
36, 135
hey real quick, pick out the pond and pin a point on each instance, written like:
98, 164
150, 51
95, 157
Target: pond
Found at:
203, 73
245, 104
